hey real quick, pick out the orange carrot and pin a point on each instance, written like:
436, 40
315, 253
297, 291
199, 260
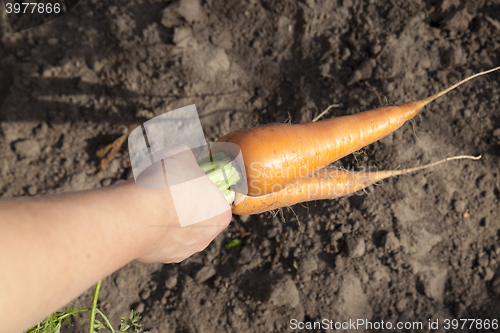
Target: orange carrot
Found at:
323, 184
281, 154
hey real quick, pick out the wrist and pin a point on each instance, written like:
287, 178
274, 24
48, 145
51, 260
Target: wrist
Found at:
149, 215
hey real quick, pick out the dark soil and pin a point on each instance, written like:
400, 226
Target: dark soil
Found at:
417, 247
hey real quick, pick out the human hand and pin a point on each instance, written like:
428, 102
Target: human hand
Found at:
200, 210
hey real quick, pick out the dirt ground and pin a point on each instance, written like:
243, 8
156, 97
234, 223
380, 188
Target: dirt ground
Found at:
415, 248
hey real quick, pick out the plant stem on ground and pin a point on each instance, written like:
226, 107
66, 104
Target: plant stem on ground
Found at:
94, 306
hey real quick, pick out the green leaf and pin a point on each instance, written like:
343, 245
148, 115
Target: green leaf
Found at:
233, 243
108, 326
54, 323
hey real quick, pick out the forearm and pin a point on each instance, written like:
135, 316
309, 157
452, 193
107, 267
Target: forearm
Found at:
83, 237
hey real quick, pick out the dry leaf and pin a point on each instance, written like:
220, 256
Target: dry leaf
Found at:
108, 153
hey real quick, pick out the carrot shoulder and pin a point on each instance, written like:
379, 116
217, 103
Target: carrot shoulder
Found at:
280, 154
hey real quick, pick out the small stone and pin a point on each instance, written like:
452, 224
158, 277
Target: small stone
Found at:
123, 128
496, 133
346, 53
142, 67
390, 242
170, 17
140, 307
47, 71
114, 168
351, 301
401, 305
324, 69
483, 261
380, 275
27, 149
432, 283
346, 228
52, 41
145, 294
9, 41
457, 21
495, 285
244, 218
79, 178
336, 236
95, 63
171, 282
205, 273
285, 293
151, 35
339, 262
183, 37
265, 248
32, 190
191, 10
306, 267
375, 48
246, 255
493, 262
271, 233
4, 169
41, 130
237, 311
488, 274
363, 72
459, 206
219, 61
355, 247
106, 182
356, 226
455, 57
120, 26
121, 282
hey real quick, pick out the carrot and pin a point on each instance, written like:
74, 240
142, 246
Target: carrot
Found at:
281, 154
323, 184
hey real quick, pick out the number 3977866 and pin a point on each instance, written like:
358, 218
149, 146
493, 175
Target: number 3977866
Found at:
33, 8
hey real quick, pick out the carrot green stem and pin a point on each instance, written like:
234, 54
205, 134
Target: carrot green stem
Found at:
106, 320
94, 307
215, 157
212, 165
222, 173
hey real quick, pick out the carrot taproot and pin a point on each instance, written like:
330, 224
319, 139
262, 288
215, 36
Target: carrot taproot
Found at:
280, 154
323, 184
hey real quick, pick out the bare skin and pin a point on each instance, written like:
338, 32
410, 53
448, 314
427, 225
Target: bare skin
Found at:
56, 247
